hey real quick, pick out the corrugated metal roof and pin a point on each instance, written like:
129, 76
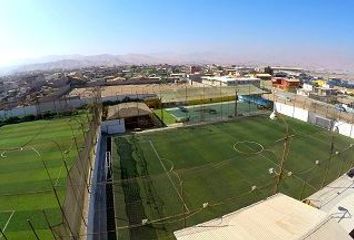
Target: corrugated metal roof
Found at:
278, 218
126, 110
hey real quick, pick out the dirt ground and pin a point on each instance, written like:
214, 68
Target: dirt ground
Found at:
128, 89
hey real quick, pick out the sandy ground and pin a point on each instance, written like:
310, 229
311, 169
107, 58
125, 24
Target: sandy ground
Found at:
128, 89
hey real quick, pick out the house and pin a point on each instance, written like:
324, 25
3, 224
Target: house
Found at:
264, 76
287, 84
230, 81
315, 90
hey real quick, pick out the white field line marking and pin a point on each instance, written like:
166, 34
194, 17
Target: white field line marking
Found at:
37, 152
169, 177
8, 221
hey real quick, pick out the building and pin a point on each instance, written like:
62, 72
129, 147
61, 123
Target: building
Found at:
277, 218
128, 116
290, 71
311, 90
264, 76
287, 84
195, 69
177, 78
230, 81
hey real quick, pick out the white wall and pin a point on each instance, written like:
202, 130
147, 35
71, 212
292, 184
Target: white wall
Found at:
344, 128
292, 111
62, 105
113, 126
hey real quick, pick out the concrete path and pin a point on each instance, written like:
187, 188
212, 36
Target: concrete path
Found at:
98, 216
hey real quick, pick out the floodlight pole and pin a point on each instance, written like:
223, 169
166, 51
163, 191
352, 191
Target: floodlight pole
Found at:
283, 158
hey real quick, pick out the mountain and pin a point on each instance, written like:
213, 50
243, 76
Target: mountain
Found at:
68, 62
78, 61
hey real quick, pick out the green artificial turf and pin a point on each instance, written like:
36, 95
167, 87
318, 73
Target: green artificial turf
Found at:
167, 118
167, 176
24, 184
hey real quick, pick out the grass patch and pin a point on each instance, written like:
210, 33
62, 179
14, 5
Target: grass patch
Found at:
24, 184
167, 176
167, 118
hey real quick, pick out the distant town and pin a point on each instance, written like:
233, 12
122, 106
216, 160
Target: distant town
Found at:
33, 87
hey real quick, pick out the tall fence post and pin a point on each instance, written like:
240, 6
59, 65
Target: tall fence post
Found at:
3, 234
48, 225
33, 230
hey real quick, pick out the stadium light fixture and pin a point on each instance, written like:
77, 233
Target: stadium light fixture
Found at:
340, 208
345, 210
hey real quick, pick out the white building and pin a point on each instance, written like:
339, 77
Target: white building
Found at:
230, 81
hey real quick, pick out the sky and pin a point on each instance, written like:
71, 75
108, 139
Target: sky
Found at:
258, 28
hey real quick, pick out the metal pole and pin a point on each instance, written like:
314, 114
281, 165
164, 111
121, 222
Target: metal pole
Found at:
137, 108
283, 158
220, 101
3, 234
57, 198
329, 161
33, 230
249, 98
76, 197
236, 102
161, 109
48, 224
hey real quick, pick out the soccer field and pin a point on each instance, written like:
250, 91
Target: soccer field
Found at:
206, 112
25, 189
167, 180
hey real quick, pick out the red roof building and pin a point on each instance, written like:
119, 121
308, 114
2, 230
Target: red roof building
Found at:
286, 84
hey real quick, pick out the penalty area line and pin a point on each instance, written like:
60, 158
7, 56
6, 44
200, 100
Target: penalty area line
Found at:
169, 177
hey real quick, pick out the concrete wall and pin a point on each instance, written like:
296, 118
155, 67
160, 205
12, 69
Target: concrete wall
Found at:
44, 107
292, 111
344, 128
113, 126
64, 105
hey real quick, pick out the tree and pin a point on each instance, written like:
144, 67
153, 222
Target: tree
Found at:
268, 70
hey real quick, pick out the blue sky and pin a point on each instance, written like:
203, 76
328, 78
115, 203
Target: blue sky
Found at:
35, 28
